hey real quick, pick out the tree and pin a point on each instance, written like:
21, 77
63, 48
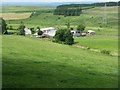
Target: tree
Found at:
38, 27
69, 37
32, 30
4, 26
69, 40
11, 28
71, 28
60, 36
40, 32
21, 29
80, 27
64, 36
68, 25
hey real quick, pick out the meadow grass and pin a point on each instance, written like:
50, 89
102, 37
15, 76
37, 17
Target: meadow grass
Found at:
33, 63
99, 42
37, 63
90, 17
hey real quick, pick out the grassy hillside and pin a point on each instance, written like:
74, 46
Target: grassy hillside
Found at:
100, 42
90, 17
29, 62
32, 62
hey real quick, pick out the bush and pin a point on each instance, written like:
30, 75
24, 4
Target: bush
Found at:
64, 36
106, 52
32, 30
80, 27
21, 30
38, 27
59, 18
11, 28
40, 32
3, 26
69, 40
71, 28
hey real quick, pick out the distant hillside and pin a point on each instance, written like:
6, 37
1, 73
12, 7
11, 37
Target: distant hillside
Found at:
55, 4
47, 4
86, 5
76, 9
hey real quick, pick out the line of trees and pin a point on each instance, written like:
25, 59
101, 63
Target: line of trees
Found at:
68, 11
86, 5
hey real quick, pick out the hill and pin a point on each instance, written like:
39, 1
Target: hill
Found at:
38, 63
92, 18
35, 63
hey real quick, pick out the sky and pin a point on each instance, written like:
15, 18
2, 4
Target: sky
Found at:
57, 0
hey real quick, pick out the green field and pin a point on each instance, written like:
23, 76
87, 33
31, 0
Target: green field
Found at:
100, 42
29, 62
90, 17
33, 62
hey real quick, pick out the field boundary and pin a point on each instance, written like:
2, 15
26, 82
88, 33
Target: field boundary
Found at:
94, 50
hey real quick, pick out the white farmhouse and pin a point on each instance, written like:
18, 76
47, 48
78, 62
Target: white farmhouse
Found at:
75, 33
49, 31
27, 31
91, 32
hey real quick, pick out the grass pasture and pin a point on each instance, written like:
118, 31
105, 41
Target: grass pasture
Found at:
90, 17
99, 42
30, 62
34, 63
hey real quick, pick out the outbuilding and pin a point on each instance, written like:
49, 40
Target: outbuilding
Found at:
75, 33
27, 31
49, 31
91, 32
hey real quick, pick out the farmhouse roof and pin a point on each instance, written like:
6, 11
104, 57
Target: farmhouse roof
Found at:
91, 31
50, 28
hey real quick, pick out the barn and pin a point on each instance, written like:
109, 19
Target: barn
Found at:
49, 31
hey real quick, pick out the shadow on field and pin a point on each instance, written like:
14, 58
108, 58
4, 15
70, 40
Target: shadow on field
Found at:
45, 74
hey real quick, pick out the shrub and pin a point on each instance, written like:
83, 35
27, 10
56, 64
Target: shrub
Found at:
64, 36
106, 52
69, 40
32, 30
11, 28
59, 18
40, 32
4, 26
81, 27
38, 27
21, 30
71, 28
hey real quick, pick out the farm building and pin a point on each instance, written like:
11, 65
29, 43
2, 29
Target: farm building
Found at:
27, 31
75, 33
91, 32
49, 31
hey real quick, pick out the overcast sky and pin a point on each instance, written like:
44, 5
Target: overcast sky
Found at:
57, 0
